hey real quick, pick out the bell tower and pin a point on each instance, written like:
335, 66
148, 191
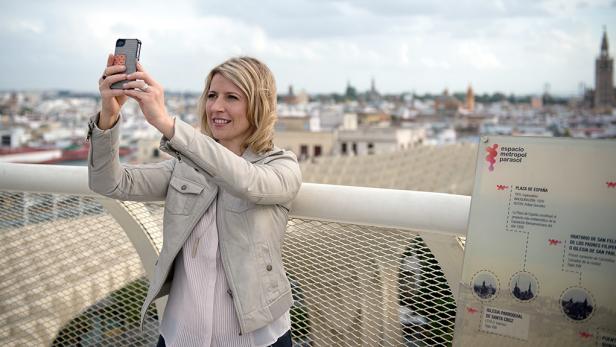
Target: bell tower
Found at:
604, 76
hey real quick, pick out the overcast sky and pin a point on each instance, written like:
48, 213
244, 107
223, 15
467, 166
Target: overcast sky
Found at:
406, 45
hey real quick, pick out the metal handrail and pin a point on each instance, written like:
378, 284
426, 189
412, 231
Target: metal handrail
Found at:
420, 211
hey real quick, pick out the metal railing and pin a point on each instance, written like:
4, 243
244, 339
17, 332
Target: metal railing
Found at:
368, 266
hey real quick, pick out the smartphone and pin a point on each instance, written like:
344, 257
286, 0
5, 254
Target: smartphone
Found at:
126, 53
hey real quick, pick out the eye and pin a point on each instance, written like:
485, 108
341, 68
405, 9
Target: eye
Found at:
233, 97
211, 95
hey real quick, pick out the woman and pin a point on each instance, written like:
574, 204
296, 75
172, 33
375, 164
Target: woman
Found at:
227, 193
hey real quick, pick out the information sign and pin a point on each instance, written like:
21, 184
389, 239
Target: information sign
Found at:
540, 254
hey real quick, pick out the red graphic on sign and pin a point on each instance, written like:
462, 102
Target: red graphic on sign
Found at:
611, 184
501, 187
585, 334
553, 242
491, 157
471, 310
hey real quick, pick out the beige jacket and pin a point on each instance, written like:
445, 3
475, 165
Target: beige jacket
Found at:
253, 192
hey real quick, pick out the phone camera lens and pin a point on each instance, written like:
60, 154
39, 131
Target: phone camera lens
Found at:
120, 43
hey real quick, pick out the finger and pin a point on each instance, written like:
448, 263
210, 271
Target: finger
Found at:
141, 71
114, 69
139, 84
142, 75
113, 92
110, 59
109, 63
107, 82
135, 94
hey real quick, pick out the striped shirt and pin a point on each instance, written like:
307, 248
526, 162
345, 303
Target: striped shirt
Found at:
199, 310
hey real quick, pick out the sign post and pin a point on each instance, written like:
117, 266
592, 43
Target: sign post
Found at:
540, 254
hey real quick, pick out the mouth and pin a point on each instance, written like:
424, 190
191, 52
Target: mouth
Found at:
220, 121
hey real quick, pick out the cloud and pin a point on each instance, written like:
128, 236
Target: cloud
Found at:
582, 5
314, 44
562, 40
478, 56
404, 54
435, 63
453, 9
303, 19
23, 26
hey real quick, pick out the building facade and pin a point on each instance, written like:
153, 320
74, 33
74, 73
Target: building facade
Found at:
306, 144
373, 140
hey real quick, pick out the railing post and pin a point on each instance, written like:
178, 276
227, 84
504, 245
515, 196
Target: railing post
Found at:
138, 235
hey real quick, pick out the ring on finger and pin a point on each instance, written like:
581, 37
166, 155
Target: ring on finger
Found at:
145, 87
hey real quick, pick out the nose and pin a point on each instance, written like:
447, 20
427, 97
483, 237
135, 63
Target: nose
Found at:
217, 105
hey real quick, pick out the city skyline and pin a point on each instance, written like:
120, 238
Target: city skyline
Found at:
502, 46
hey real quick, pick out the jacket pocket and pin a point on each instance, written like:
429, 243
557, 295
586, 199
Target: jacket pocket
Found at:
183, 195
270, 270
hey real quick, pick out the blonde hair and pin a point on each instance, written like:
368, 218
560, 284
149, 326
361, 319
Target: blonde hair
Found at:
257, 83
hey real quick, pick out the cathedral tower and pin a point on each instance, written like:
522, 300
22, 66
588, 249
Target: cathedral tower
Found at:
604, 77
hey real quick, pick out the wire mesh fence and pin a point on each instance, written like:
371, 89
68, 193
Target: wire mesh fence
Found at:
365, 286
71, 276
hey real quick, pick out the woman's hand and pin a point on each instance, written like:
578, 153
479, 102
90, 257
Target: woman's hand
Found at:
111, 99
151, 98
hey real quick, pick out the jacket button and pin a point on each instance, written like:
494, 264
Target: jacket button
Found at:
183, 187
268, 267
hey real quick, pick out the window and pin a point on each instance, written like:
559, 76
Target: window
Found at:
344, 148
370, 148
354, 147
6, 140
317, 150
303, 152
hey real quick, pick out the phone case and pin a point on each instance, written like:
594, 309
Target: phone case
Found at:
126, 53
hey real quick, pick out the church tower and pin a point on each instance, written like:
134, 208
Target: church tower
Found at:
604, 76
470, 99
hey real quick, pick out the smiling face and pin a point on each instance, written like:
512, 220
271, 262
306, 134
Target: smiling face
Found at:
226, 108
238, 105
